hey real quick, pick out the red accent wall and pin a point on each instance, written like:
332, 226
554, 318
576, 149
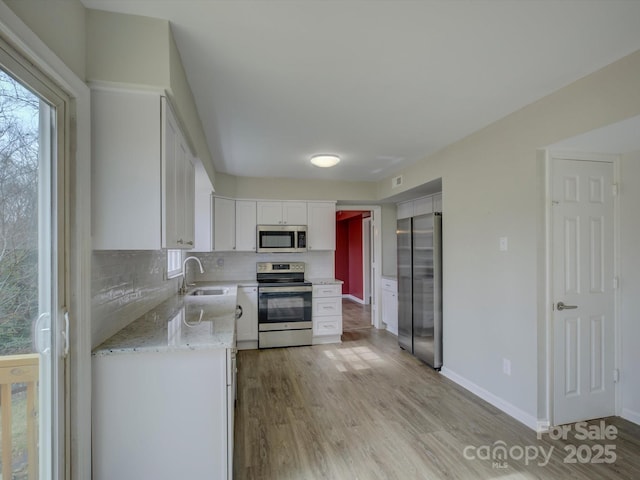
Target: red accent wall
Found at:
348, 257
342, 254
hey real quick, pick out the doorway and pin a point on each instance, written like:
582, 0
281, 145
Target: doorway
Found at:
358, 255
582, 288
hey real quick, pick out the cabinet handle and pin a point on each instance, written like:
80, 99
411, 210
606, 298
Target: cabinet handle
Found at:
180, 242
190, 243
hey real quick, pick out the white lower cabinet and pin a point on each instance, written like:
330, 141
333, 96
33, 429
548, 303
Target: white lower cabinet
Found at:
163, 415
327, 313
390, 304
247, 322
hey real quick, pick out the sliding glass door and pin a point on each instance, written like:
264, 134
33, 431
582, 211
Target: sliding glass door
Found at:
33, 329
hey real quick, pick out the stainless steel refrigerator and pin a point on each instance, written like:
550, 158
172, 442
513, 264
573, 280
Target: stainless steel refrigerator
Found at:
420, 287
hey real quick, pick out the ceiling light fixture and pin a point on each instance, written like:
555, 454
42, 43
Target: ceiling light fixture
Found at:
325, 160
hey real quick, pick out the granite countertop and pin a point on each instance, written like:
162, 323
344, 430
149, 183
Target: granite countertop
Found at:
325, 281
180, 323
240, 283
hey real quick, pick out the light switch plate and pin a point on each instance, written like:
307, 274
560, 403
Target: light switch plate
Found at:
504, 244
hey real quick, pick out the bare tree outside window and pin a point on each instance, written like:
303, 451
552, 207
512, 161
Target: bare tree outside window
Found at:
19, 146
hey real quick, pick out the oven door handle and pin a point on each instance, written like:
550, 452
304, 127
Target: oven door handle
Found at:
283, 289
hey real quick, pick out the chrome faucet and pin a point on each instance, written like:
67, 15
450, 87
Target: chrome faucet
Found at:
183, 288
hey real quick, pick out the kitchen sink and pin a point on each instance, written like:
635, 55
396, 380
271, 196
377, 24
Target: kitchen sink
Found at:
208, 291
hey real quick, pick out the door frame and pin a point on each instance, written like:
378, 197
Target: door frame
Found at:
546, 334
77, 461
376, 258
366, 261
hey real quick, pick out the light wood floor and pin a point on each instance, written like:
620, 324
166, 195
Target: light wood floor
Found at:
365, 409
355, 316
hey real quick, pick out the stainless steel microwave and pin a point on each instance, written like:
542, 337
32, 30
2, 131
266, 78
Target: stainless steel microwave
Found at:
281, 238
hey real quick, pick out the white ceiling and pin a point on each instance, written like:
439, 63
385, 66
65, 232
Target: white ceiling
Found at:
381, 83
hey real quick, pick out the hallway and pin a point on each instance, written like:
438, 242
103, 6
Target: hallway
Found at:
365, 409
355, 316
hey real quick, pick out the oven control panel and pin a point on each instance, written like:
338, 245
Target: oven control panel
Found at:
280, 267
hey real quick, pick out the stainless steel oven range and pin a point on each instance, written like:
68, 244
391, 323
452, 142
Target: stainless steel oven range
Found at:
284, 305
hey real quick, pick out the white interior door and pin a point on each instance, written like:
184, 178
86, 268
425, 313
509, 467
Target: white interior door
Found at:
583, 275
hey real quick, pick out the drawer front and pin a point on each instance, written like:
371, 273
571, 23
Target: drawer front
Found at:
327, 306
328, 326
327, 290
389, 285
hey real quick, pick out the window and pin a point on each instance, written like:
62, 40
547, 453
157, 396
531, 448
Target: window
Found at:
174, 263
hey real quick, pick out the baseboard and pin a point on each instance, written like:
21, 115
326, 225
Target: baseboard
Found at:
631, 416
247, 345
324, 339
520, 415
348, 296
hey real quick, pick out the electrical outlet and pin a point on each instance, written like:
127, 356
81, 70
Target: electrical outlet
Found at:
220, 262
506, 366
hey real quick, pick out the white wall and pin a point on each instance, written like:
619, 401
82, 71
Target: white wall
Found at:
388, 235
492, 184
60, 25
630, 284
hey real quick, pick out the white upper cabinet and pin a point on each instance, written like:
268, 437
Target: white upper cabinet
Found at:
281, 213
246, 225
142, 175
224, 224
178, 200
321, 229
420, 206
437, 203
405, 210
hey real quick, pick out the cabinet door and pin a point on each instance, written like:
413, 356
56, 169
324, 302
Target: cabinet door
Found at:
437, 203
126, 178
189, 201
172, 158
390, 310
224, 224
245, 226
294, 213
178, 203
269, 213
322, 226
180, 197
405, 210
247, 324
422, 206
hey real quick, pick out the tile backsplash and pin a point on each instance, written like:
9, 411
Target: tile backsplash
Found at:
222, 266
125, 285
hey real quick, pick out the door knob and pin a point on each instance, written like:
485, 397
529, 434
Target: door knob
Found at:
561, 306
